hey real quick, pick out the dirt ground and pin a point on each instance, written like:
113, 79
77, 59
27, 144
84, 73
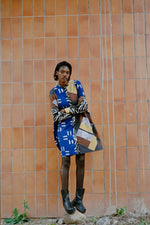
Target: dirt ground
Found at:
125, 219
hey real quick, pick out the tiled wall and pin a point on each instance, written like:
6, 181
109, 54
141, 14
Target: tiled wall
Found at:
108, 44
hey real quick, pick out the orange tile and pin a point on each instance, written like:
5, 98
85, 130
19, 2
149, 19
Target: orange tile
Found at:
95, 68
29, 160
128, 46
139, 24
40, 137
72, 48
119, 112
133, 200
40, 114
121, 181
96, 112
88, 202
72, 181
144, 180
50, 26
27, 48
27, 27
110, 181
60, 7
39, 8
17, 164
98, 204
41, 183
7, 206
49, 86
61, 26
5, 28
83, 7
5, 71
122, 200
39, 48
117, 24
148, 66
17, 49
28, 93
140, 67
27, 71
53, 205
83, 47
17, 71
83, 25
5, 49
6, 161
52, 183
52, 159
31, 203
105, 20
131, 135
121, 159
98, 181
128, 24
127, 6
139, 46
17, 138
108, 113
142, 114
5, 8
39, 92
50, 65
130, 94
18, 183
95, 91
16, 8
16, 27
28, 115
120, 136
39, 70
117, 46
109, 160
19, 202
6, 93
143, 154
6, 115
7, 179
130, 112
105, 6
72, 25
94, 47
27, 8
72, 7
29, 183
147, 6
107, 90
75, 73
94, 7
118, 90
48, 115
61, 48
88, 181
148, 45
50, 48
28, 137
108, 135
129, 67
38, 26
49, 7
118, 68
107, 69
143, 138
17, 115
116, 6
106, 51
6, 138
132, 159
40, 160
141, 89
88, 161
84, 69
41, 206
138, 7
86, 87
50, 138
17, 93
98, 160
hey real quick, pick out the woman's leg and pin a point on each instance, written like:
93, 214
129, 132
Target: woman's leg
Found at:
65, 166
80, 163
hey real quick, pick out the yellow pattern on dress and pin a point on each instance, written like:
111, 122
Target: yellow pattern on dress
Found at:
71, 87
93, 143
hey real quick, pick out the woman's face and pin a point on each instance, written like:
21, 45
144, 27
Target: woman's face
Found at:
63, 75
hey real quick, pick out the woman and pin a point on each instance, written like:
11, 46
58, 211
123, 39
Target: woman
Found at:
73, 132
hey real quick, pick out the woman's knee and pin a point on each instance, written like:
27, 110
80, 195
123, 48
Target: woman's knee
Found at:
80, 160
66, 162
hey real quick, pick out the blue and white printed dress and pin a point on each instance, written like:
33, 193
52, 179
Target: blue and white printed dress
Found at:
74, 132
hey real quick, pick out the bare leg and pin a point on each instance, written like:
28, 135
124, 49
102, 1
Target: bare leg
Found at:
80, 162
65, 166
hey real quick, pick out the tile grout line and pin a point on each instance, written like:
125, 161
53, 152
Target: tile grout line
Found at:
125, 122
0, 126
113, 104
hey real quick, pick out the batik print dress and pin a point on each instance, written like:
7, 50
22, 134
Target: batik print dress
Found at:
74, 132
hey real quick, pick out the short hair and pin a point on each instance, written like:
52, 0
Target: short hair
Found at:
63, 63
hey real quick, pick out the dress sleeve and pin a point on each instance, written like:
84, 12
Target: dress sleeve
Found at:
58, 116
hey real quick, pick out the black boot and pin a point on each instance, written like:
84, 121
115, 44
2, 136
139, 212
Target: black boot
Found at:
66, 202
77, 202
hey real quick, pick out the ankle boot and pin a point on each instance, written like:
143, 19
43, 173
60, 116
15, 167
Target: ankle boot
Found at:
77, 202
66, 202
